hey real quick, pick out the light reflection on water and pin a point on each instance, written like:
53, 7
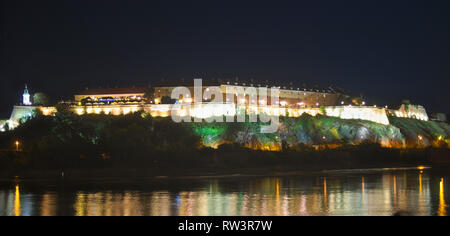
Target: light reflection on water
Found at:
380, 193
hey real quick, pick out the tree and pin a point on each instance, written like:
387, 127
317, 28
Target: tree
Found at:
6, 126
150, 94
41, 99
406, 101
63, 108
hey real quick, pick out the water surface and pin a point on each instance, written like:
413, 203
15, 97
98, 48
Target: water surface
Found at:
358, 192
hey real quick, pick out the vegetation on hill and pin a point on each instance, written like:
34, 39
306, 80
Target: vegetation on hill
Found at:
67, 140
325, 131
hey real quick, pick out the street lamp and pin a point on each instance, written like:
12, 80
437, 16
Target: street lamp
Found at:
17, 145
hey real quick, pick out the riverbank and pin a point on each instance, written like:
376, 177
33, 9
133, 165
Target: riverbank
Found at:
129, 174
138, 145
361, 192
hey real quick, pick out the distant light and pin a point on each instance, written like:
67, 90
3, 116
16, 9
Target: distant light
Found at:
364, 103
342, 103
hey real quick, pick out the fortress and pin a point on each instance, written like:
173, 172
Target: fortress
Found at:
293, 102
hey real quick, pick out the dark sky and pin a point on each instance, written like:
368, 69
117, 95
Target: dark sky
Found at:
385, 50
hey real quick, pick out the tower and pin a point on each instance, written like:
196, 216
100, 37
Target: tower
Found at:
26, 97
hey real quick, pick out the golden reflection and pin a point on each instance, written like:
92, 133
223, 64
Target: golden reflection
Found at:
107, 204
420, 183
395, 185
442, 211
278, 188
325, 195
301, 196
48, 205
395, 192
363, 185
17, 209
277, 203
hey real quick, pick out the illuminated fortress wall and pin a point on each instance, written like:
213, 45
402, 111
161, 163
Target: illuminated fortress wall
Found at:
377, 115
21, 113
207, 110
287, 97
115, 110
410, 111
2, 125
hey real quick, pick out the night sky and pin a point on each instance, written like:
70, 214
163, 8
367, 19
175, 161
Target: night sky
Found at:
385, 50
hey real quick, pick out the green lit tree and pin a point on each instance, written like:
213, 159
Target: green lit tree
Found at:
41, 99
150, 94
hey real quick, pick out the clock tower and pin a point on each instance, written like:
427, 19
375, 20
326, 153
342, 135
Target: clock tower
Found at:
26, 97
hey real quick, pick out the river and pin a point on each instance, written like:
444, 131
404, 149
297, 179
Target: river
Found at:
375, 192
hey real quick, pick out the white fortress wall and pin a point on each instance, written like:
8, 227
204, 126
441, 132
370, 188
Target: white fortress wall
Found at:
20, 113
411, 111
377, 115
2, 125
206, 110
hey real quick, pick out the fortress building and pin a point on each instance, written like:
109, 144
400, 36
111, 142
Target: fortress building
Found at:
293, 102
26, 97
290, 96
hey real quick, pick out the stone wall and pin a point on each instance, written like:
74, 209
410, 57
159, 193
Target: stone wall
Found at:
20, 113
377, 115
410, 111
291, 97
2, 125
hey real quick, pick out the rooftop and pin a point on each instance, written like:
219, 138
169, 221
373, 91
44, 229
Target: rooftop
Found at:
253, 83
89, 92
